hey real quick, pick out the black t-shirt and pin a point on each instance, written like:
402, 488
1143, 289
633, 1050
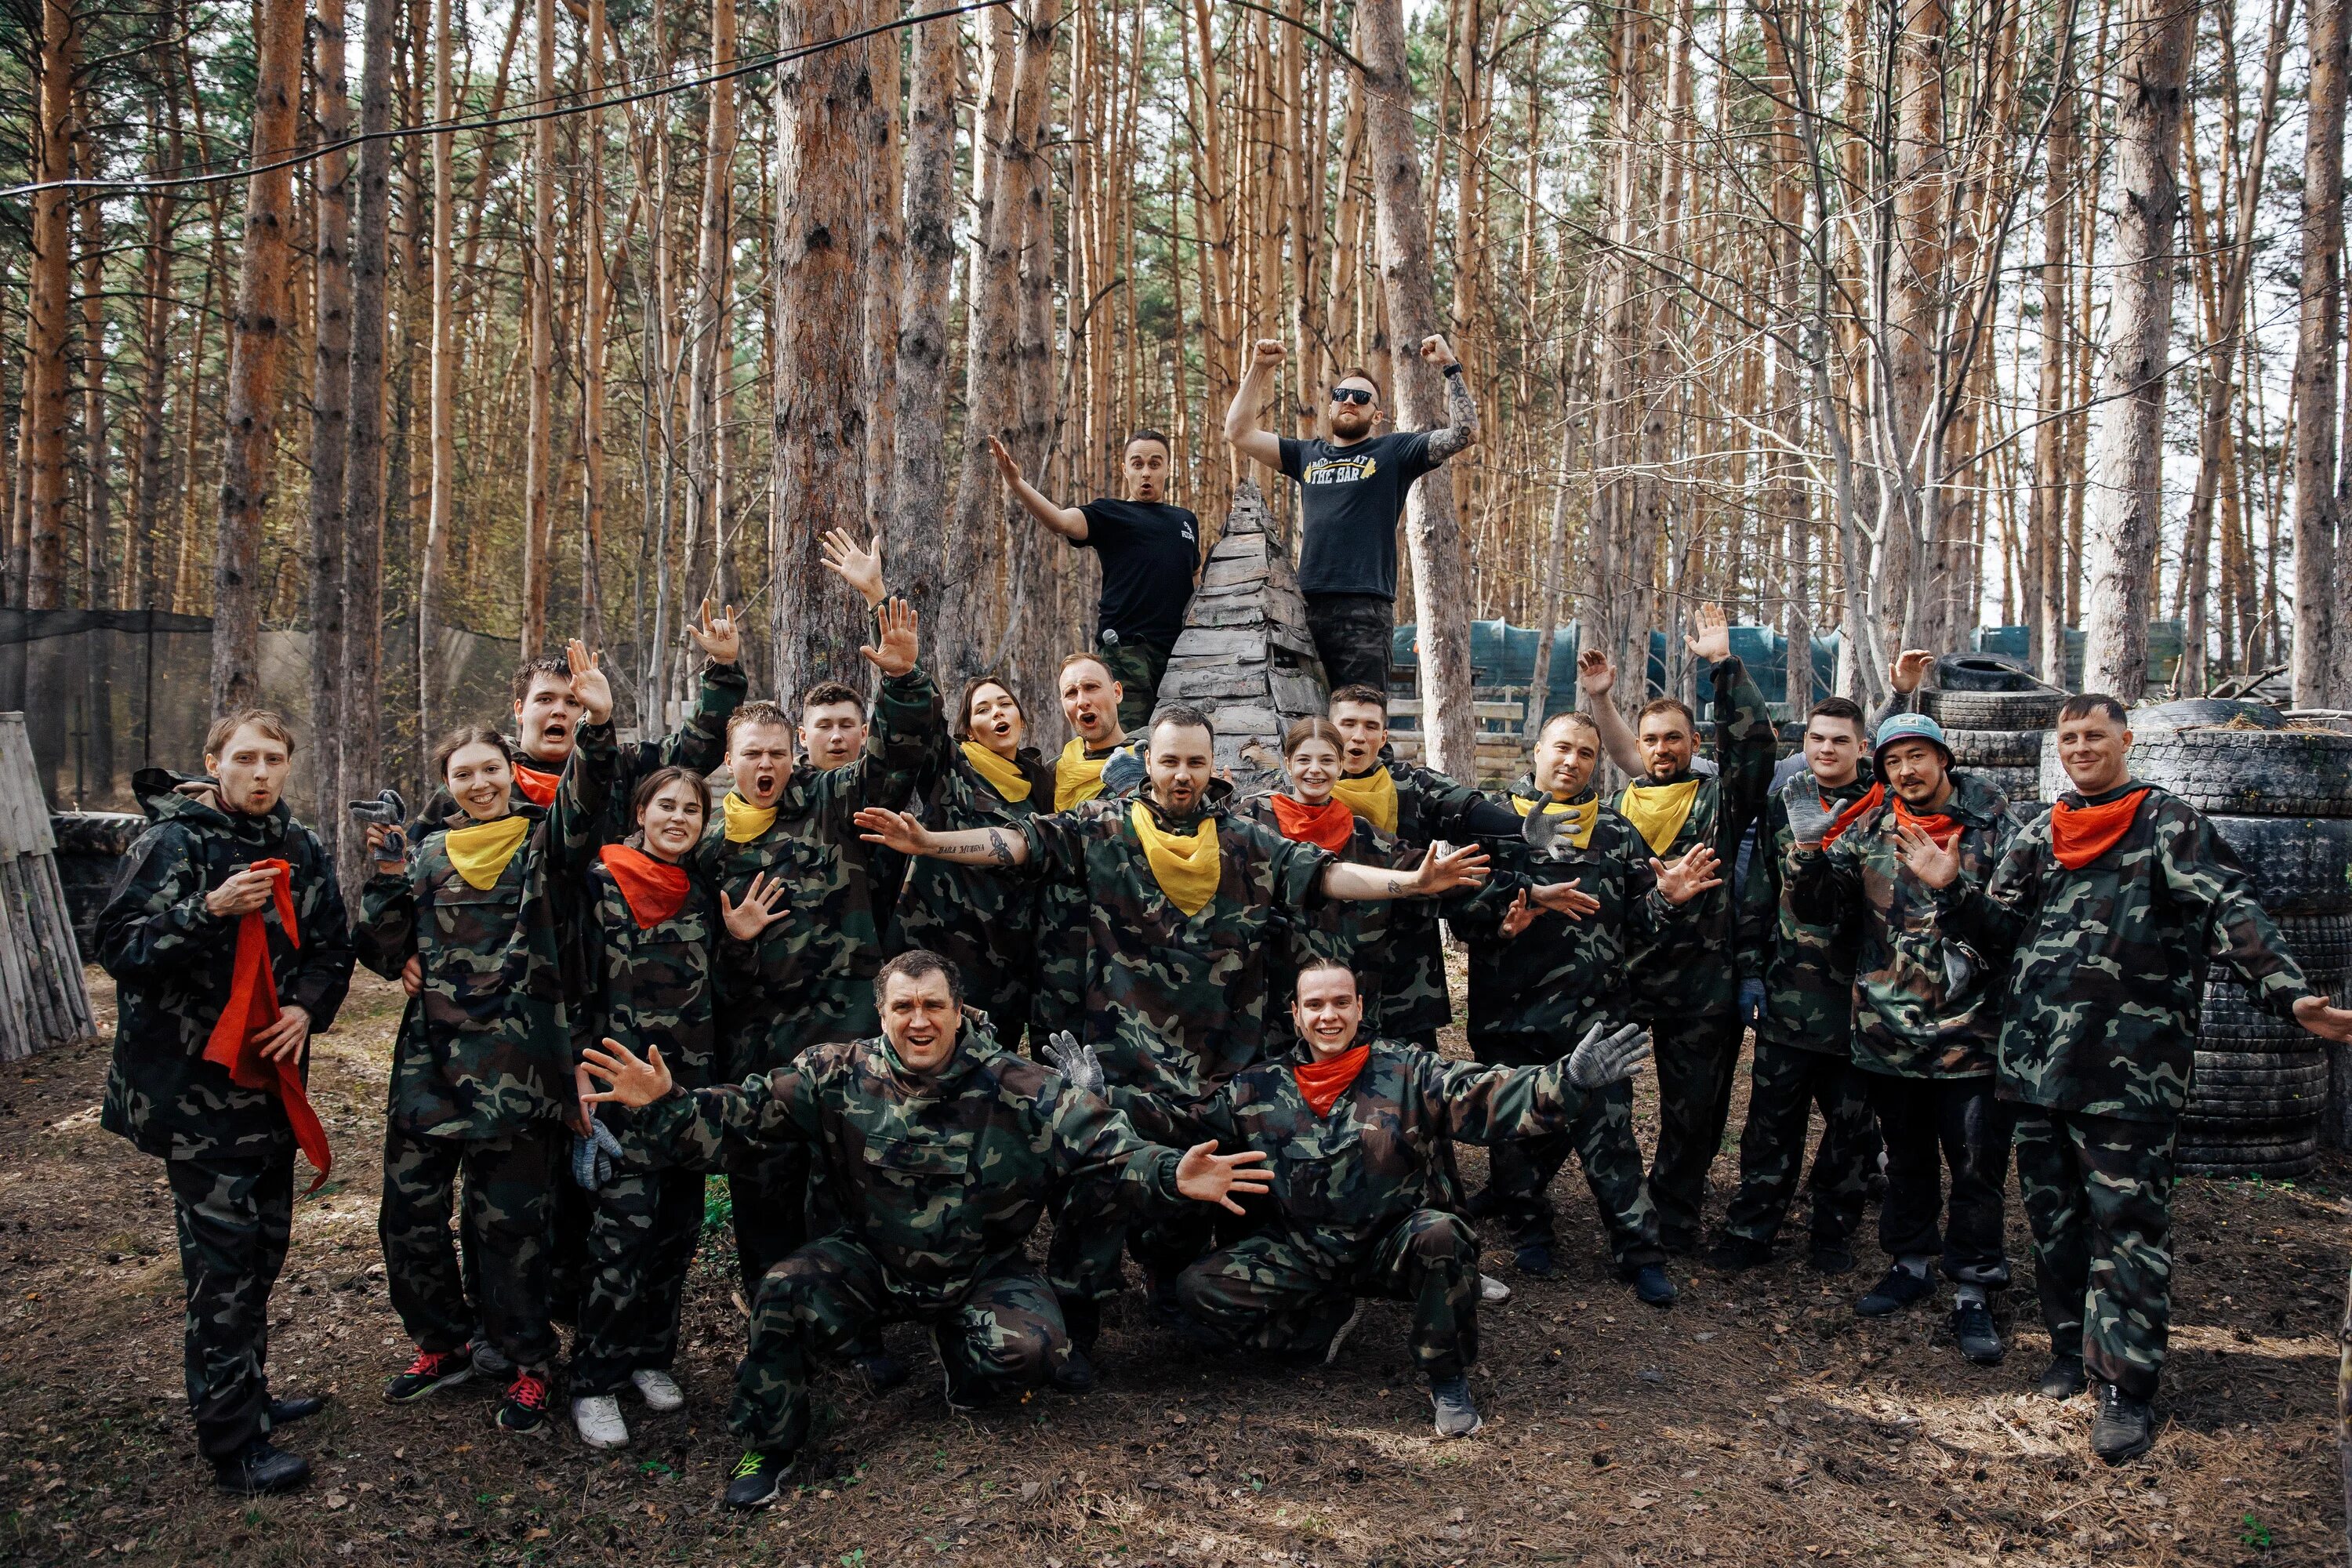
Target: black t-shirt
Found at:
1149, 551
1351, 498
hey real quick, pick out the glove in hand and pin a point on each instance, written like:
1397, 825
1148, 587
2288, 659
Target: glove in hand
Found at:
1601, 1057
1809, 816
1078, 1064
592, 1157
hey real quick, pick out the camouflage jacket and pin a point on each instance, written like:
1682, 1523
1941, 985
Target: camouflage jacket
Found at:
985, 923
1694, 967
943, 1177
2105, 965
1359, 935
657, 985
171, 960
1176, 1005
810, 977
1807, 969
1925, 1005
487, 1048
1341, 1183
1536, 993
1061, 913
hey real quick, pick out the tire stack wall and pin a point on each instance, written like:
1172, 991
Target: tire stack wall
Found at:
1996, 735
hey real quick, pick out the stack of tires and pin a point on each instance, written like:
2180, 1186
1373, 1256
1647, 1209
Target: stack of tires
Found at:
2282, 797
1994, 715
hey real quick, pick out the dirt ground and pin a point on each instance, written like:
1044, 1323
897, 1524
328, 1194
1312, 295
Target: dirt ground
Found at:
1757, 1422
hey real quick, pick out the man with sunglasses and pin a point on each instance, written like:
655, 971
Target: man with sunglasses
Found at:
1352, 487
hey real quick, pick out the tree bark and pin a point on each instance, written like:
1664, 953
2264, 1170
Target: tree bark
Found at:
539, 260
257, 342
885, 266
442, 436
595, 311
2046, 596
2318, 344
330, 392
2127, 459
917, 555
363, 463
97, 554
708, 357
37, 570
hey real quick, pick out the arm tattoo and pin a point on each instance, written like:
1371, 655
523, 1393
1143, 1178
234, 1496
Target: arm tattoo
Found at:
998, 850
1461, 410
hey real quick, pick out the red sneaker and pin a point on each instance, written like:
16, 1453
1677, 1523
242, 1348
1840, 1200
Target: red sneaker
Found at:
430, 1373
524, 1410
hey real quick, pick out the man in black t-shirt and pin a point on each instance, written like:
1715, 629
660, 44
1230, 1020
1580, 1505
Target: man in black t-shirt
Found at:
1352, 492
1150, 553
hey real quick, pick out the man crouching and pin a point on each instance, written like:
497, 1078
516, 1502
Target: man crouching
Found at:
1363, 1191
939, 1148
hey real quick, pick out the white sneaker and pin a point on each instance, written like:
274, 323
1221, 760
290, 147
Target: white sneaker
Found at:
598, 1419
1493, 1291
659, 1389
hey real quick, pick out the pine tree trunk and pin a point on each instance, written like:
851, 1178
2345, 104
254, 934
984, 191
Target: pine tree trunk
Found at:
539, 260
330, 391
36, 567
917, 556
885, 267
441, 439
2046, 530
595, 311
97, 554
363, 464
2318, 344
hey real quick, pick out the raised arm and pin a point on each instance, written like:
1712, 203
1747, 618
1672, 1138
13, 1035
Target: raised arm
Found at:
1746, 744
696, 1130
1596, 676
1067, 520
1436, 874
1241, 417
1492, 1105
573, 834
699, 741
1000, 848
1460, 432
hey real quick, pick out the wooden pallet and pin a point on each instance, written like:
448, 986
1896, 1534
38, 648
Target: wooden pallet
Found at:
43, 1001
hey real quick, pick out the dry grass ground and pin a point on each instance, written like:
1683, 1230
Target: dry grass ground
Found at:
1758, 1422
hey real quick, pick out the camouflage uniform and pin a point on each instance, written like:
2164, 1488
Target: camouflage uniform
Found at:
809, 978
2106, 970
229, 1151
481, 1071
1925, 1010
1803, 1057
1532, 997
1359, 935
1136, 666
1062, 912
1361, 1206
938, 1180
1686, 986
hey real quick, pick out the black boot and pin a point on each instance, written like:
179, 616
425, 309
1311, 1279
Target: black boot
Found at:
2063, 1378
295, 1407
262, 1470
2126, 1427
1730, 1254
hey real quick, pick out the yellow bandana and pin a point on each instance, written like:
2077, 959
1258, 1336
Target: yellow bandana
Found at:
1077, 776
1003, 775
1659, 811
1186, 866
745, 821
1581, 818
480, 852
1372, 798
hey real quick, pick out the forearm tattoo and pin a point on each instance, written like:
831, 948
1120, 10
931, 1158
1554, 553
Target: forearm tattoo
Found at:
999, 851
1462, 411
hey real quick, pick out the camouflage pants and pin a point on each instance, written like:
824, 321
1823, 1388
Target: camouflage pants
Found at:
1005, 1334
1787, 1082
502, 1291
1353, 636
1932, 1126
1521, 1172
2098, 1192
234, 1217
1090, 1225
643, 1228
1697, 1055
1267, 1293
1136, 666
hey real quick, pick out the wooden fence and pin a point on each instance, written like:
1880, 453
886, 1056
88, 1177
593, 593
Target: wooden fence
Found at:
42, 999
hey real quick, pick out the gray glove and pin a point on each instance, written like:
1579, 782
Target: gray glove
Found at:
1809, 816
1541, 828
1602, 1059
386, 811
592, 1157
1078, 1064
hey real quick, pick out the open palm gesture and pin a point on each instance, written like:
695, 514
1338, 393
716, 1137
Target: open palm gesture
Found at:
896, 654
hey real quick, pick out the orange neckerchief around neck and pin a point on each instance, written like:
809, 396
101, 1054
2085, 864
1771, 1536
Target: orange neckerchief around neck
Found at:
1936, 825
1329, 826
253, 1007
538, 785
1322, 1083
654, 889
1852, 814
2081, 834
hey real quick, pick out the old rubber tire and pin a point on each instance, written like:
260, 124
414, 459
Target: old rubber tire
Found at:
1991, 709
2301, 864
1995, 748
2019, 786
2271, 1162
2238, 772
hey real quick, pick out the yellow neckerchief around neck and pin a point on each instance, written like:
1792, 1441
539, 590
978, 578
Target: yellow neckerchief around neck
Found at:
745, 821
1002, 773
1185, 865
1658, 811
1581, 816
1078, 777
1372, 798
480, 851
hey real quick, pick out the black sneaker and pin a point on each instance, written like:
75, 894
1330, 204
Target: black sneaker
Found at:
2063, 1378
430, 1373
1652, 1287
1534, 1261
523, 1412
758, 1478
1679, 1243
1897, 1290
2126, 1428
1830, 1258
881, 1370
1082, 1316
1979, 1340
262, 1470
1730, 1254
1074, 1374
295, 1407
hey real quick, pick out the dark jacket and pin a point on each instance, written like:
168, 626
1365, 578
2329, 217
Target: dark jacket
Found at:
1807, 969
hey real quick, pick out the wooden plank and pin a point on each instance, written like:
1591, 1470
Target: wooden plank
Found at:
1506, 712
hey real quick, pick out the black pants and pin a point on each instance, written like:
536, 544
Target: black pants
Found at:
1354, 634
1519, 1170
1696, 1057
768, 1193
234, 1217
1932, 1126
1788, 1081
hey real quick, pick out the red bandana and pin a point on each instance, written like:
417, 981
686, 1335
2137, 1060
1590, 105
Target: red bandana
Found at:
1323, 1083
654, 889
1329, 826
253, 1007
2081, 834
1851, 813
538, 785
1943, 829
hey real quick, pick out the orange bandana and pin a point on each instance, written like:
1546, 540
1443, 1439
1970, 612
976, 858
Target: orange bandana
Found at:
253, 1007
2081, 834
1852, 814
654, 889
1943, 829
538, 785
1329, 826
1322, 1083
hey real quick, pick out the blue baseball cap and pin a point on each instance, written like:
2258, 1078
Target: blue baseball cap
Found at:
1910, 726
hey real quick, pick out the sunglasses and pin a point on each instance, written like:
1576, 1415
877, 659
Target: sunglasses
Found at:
1351, 395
